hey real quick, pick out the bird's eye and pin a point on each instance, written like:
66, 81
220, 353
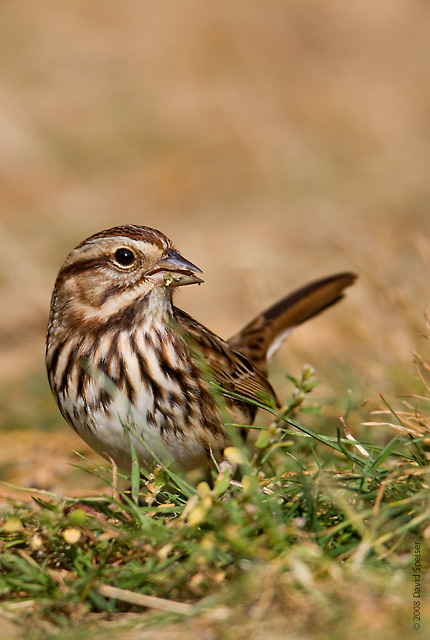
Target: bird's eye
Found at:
124, 257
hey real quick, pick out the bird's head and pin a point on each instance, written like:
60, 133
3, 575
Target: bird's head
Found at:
117, 268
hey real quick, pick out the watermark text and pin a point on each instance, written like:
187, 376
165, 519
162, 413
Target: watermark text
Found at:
416, 577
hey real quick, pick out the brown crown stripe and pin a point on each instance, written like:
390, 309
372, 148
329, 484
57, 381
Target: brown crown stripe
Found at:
133, 232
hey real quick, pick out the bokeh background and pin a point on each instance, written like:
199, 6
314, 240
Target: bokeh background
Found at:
274, 142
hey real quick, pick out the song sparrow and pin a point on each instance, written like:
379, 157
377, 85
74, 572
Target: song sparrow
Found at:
125, 364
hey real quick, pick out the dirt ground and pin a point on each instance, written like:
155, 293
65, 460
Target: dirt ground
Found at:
274, 142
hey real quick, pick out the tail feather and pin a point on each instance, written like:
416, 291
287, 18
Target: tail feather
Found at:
260, 338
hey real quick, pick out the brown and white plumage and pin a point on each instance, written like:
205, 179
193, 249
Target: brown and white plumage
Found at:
261, 337
120, 353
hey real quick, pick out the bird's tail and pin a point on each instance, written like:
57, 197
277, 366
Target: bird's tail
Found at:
261, 337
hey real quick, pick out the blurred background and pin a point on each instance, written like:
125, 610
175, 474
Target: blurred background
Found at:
274, 142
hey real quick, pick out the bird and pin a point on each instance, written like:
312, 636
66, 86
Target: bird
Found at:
139, 379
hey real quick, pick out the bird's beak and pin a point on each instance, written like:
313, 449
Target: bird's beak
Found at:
174, 271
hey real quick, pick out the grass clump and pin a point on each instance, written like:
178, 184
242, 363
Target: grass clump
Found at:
296, 517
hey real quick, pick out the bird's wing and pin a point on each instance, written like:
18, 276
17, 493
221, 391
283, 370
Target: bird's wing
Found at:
231, 369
